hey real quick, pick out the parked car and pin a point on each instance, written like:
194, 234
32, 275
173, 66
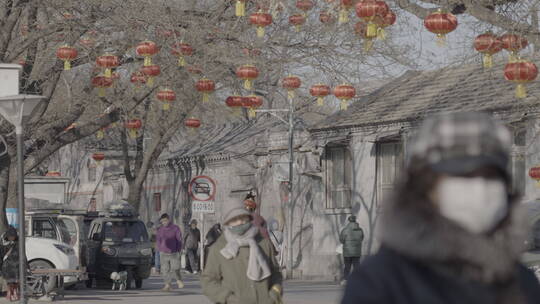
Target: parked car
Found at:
49, 253
66, 226
118, 242
531, 258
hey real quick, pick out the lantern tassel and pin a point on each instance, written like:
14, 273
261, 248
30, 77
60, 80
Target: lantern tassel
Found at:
441, 40
181, 61
252, 113
166, 106
368, 45
538, 183
371, 30
488, 61
101, 92
108, 73
240, 8
67, 65
344, 105
381, 34
147, 61
205, 97
297, 28
343, 16
100, 134
320, 101
260, 31
248, 84
150, 81
512, 57
521, 91
290, 94
133, 133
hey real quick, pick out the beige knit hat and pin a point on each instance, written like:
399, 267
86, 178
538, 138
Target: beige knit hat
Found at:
233, 209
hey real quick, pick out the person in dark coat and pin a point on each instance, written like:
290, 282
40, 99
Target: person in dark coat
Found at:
351, 237
452, 233
211, 237
9, 251
191, 241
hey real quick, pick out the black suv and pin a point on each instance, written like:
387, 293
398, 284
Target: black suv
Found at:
118, 243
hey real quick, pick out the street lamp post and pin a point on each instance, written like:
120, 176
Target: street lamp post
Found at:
14, 108
290, 200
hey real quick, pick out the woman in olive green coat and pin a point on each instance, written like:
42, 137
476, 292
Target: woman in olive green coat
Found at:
241, 268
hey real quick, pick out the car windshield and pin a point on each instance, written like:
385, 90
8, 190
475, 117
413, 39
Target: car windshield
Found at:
126, 231
66, 232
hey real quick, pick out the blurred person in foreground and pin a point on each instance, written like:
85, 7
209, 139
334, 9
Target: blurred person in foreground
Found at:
241, 267
452, 232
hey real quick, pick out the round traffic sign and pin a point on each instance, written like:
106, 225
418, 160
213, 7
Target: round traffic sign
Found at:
202, 188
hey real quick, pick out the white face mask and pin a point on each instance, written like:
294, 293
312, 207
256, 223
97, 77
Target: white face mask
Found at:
477, 204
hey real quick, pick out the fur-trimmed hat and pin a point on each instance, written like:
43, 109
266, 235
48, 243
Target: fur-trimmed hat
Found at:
233, 209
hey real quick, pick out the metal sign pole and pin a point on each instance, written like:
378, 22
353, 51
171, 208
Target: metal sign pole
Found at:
202, 242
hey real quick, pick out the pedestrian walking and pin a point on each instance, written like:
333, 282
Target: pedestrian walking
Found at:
191, 241
351, 237
241, 266
451, 232
258, 220
169, 245
9, 251
211, 237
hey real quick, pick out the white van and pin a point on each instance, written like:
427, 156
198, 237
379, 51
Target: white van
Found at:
48, 246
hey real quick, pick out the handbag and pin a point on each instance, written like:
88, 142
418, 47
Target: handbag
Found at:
183, 260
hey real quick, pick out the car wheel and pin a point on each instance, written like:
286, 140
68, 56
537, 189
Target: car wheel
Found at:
49, 283
138, 283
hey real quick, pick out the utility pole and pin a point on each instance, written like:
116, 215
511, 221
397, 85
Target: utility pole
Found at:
290, 201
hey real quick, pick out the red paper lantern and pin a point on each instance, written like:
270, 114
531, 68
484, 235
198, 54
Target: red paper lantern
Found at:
304, 5
320, 91
53, 173
108, 62
138, 78
102, 82
182, 50
383, 22
151, 72
260, 20
297, 20
345, 6
344, 93
369, 11
534, 173
193, 123
67, 54
441, 23
520, 72
194, 69
166, 96
488, 44
206, 87
235, 102
513, 43
252, 102
98, 157
291, 83
133, 126
147, 49
248, 73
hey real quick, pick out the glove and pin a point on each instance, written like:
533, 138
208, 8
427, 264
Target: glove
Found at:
275, 294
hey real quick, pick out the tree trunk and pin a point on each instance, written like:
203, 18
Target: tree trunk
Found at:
135, 195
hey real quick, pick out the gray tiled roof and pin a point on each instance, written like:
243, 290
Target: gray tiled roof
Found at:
417, 94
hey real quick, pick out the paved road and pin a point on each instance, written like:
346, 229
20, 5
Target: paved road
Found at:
295, 293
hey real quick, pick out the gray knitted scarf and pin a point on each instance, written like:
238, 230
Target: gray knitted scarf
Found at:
258, 268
